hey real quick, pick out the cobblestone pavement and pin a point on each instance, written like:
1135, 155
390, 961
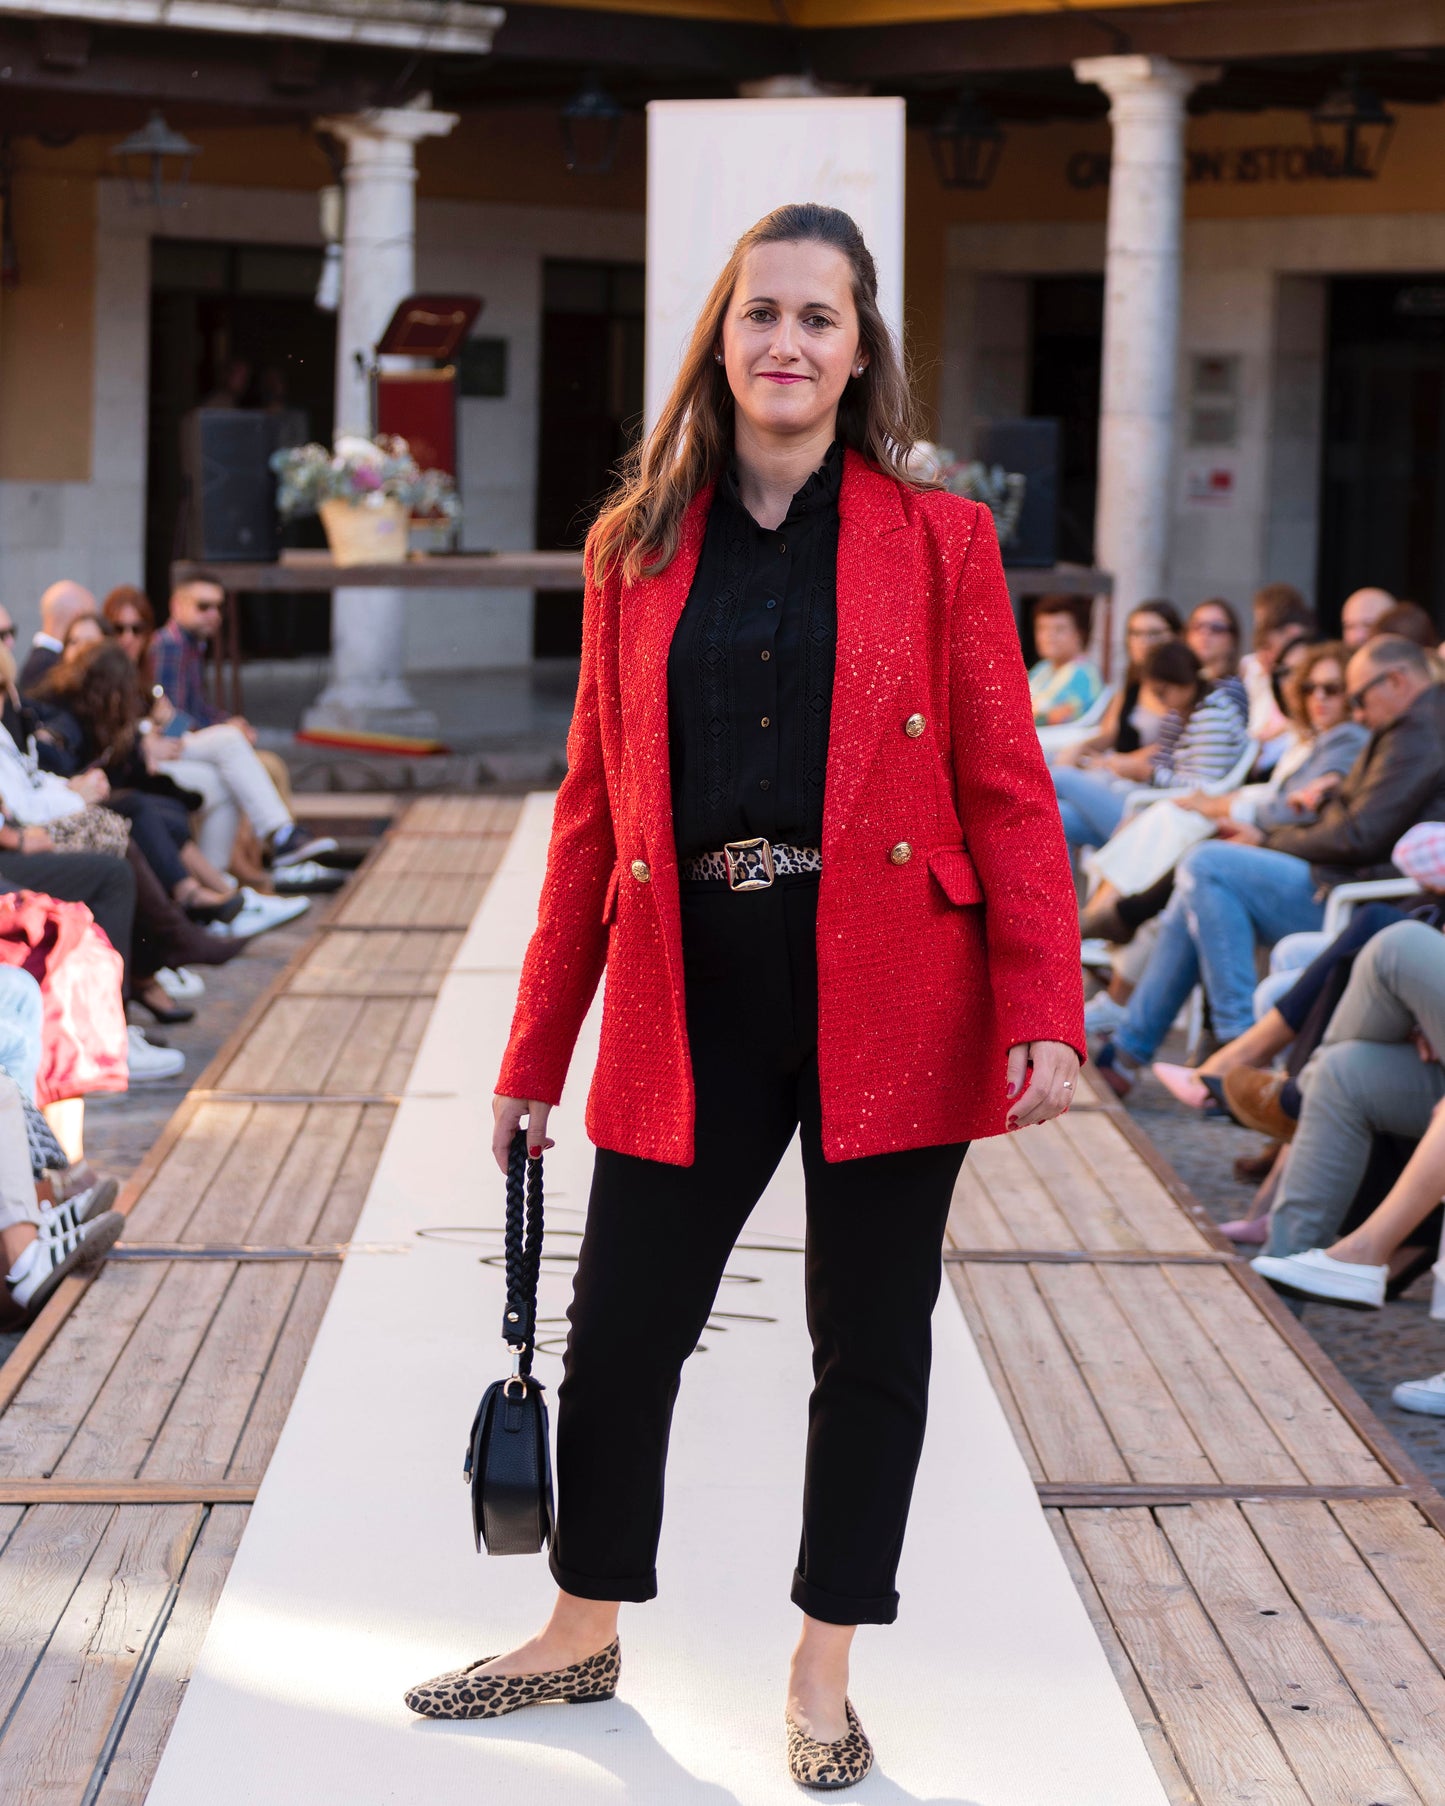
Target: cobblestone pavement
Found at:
1373, 1349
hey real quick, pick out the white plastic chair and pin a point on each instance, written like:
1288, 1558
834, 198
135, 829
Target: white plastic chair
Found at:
1345, 898
1057, 739
1232, 779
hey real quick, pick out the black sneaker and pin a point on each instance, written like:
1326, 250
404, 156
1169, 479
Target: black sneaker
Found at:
292, 844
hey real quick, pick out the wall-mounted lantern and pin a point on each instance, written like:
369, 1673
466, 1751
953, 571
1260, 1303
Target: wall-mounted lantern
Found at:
143, 158
591, 126
1352, 128
966, 143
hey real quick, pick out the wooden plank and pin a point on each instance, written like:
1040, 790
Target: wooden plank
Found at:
360, 1060
1221, 1741
1136, 1191
1095, 1495
39, 1572
297, 1197
1225, 1420
993, 1366
1406, 1554
272, 1401
158, 1699
320, 1044
1064, 1423
461, 815
255, 1060
11, 1517
442, 856
1090, 1257
1334, 1749
214, 1399
974, 1221
1307, 1422
161, 1211
42, 1491
391, 962
1379, 1655
1094, 1219
116, 1431
235, 1196
60, 1724
399, 1062
1146, 1720
348, 1190
1147, 1425
60, 1389
1021, 1200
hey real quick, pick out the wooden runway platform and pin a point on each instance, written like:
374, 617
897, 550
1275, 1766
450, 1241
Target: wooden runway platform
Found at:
1264, 1566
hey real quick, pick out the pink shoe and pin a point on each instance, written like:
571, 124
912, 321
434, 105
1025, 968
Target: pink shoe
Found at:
1182, 1082
1253, 1231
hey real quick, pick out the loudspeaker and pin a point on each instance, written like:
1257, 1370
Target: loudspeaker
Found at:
230, 487
1030, 447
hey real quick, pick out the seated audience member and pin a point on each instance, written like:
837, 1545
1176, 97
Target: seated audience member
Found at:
1410, 622
40, 1244
1325, 745
233, 781
1064, 684
59, 606
1212, 634
1130, 725
1376, 1072
1281, 616
1257, 885
1360, 617
1202, 738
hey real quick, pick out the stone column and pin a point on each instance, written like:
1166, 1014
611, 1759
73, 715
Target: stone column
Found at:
1141, 320
378, 268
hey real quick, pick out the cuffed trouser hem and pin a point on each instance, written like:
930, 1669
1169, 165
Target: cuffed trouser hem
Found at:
585, 1586
836, 1608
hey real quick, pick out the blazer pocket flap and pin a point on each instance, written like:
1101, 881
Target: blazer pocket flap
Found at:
609, 902
955, 871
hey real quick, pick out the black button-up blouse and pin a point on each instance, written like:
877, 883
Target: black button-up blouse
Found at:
750, 671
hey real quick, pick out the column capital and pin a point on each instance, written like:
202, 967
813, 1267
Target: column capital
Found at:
388, 125
1126, 78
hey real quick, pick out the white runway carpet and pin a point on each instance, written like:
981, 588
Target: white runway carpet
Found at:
356, 1575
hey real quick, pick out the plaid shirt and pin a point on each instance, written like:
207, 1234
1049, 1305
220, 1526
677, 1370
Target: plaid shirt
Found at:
178, 661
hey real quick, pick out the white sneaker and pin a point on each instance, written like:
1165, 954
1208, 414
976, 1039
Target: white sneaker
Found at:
181, 985
260, 913
1422, 1395
56, 1252
1096, 955
1315, 1274
1102, 1015
148, 1063
307, 876
76, 1212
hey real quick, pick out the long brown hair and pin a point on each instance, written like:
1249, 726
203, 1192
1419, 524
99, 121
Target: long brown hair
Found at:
103, 691
693, 437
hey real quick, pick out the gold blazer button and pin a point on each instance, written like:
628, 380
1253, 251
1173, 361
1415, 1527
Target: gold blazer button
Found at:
640, 871
914, 726
901, 854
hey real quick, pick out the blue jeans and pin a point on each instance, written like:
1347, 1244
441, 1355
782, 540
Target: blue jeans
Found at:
1225, 899
21, 1015
1091, 806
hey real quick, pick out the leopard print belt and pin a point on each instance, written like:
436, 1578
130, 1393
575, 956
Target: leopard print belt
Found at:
752, 864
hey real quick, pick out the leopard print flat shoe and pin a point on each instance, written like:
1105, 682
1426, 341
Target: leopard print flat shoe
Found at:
463, 1693
842, 1763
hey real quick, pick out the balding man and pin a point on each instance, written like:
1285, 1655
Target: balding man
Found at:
1361, 615
61, 604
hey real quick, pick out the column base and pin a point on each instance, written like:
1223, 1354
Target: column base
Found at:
384, 707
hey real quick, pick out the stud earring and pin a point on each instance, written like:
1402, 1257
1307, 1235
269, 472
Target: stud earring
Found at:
717, 357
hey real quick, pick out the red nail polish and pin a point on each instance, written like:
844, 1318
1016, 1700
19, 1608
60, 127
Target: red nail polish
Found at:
534, 1152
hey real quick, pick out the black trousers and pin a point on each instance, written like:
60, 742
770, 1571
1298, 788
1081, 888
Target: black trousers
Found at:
656, 1242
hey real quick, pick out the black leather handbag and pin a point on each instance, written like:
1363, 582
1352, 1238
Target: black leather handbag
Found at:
509, 1456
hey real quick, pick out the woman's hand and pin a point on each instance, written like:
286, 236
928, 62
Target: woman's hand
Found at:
507, 1114
1052, 1086
93, 785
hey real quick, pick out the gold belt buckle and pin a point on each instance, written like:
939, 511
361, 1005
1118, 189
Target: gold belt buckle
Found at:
750, 863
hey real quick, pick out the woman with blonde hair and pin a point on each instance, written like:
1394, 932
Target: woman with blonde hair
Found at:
807, 829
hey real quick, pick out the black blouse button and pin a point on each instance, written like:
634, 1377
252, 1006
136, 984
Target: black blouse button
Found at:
765, 655
765, 783
772, 602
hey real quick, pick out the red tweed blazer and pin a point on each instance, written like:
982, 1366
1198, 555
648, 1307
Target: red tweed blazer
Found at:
947, 924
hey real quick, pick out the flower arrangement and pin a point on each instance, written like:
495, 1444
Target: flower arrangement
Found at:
1001, 491
363, 473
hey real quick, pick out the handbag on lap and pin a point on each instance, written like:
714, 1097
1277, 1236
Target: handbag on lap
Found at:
509, 1459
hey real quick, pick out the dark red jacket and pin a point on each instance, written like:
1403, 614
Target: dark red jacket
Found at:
930, 966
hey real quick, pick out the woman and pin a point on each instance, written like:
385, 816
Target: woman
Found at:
770, 597
94, 709
1201, 740
1063, 685
1130, 726
128, 613
1212, 634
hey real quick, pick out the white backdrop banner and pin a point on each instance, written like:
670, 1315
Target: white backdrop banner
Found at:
716, 166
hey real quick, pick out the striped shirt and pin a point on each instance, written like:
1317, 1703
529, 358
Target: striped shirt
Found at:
1204, 748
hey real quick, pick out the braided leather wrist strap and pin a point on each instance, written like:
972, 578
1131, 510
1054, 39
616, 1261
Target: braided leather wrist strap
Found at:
523, 1245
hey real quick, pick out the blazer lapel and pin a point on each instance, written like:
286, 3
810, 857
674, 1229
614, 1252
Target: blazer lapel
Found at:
648, 614
874, 637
